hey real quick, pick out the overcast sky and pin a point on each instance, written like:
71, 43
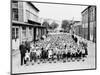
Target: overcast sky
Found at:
59, 11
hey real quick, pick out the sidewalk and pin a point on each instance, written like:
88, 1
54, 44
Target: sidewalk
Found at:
15, 52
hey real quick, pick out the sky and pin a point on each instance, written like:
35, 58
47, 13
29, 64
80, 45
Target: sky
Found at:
59, 11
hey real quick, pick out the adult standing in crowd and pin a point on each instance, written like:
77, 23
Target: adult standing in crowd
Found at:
27, 44
22, 49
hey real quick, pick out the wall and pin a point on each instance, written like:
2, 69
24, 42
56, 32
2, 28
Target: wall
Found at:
85, 24
92, 23
22, 8
20, 12
27, 7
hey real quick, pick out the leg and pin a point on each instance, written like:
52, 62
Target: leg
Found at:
22, 58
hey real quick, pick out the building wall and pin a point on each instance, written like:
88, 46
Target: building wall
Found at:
29, 12
22, 6
92, 23
15, 37
25, 11
28, 32
88, 28
15, 11
85, 24
89, 23
20, 12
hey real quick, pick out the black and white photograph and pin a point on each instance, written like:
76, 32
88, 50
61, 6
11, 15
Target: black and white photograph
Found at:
52, 37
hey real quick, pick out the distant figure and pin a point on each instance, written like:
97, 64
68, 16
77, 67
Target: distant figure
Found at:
75, 39
22, 49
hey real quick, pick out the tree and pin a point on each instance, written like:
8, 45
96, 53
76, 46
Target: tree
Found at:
53, 25
45, 24
66, 25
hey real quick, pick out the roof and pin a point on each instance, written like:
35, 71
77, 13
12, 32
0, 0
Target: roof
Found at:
25, 24
33, 6
33, 22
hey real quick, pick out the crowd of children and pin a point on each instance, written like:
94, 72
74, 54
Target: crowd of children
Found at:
60, 47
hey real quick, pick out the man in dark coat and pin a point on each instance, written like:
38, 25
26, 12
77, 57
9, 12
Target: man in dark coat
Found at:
22, 49
27, 44
75, 39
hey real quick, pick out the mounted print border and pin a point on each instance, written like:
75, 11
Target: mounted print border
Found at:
52, 37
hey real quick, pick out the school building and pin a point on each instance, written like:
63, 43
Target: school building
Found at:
25, 23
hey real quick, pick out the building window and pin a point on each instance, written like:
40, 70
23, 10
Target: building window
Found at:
13, 33
14, 4
91, 14
17, 31
24, 31
15, 14
82, 18
30, 31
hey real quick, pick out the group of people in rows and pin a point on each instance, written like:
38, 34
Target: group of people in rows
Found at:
61, 49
